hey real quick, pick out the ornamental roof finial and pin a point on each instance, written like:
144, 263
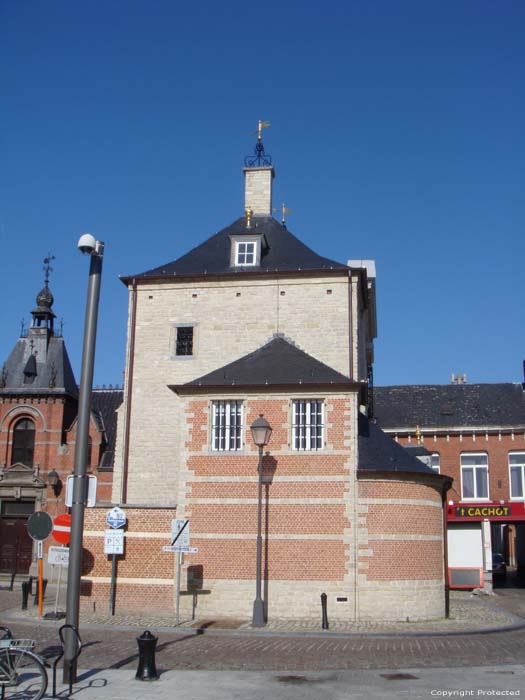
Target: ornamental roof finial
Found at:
260, 159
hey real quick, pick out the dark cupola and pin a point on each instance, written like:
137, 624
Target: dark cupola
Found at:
39, 363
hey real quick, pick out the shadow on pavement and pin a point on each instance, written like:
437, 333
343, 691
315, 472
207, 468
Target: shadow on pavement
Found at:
97, 683
164, 645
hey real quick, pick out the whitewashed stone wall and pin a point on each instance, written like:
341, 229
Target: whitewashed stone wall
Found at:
314, 313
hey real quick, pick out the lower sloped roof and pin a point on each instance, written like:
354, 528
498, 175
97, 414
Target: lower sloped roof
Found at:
278, 362
378, 452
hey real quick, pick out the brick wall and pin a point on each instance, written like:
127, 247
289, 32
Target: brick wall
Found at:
380, 551
401, 553
496, 445
145, 574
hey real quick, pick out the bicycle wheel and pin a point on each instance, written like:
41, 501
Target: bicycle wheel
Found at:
28, 676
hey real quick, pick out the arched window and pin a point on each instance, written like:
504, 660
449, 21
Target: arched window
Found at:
23, 442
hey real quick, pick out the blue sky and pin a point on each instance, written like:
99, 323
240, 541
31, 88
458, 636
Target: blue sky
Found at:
396, 133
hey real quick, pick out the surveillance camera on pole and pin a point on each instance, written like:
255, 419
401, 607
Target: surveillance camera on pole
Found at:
88, 245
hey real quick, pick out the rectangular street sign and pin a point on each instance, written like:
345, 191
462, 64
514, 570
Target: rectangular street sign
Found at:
180, 548
114, 542
58, 555
91, 494
180, 532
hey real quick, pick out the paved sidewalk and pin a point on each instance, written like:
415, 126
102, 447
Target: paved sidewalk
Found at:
469, 613
505, 681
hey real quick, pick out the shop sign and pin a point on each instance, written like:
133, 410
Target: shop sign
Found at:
482, 511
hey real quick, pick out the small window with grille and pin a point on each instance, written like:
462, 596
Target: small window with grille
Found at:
308, 424
184, 340
226, 426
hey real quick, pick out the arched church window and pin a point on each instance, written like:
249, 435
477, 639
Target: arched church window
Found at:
23, 442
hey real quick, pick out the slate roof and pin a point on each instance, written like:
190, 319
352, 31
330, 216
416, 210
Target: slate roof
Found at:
284, 252
104, 404
378, 452
279, 362
45, 381
450, 406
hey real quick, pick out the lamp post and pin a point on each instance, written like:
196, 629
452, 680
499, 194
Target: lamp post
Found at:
95, 249
261, 432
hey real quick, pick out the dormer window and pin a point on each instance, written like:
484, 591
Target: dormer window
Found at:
247, 249
245, 254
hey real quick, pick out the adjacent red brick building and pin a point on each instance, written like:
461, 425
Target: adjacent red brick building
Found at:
38, 408
475, 433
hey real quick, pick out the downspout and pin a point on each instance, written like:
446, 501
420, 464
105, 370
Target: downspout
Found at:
350, 325
129, 389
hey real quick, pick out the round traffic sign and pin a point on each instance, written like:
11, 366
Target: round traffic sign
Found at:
62, 528
39, 525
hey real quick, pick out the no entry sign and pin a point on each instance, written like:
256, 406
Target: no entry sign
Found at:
62, 528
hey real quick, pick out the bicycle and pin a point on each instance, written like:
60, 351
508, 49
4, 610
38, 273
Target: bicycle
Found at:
23, 675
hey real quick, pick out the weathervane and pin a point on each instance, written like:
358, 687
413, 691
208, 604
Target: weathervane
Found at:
260, 158
47, 267
284, 211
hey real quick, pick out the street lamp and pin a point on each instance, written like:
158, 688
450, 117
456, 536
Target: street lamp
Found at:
88, 245
53, 479
261, 432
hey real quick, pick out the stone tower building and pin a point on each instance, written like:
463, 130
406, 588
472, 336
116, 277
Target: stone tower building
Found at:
252, 322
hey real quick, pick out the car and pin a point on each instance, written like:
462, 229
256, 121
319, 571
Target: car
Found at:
499, 567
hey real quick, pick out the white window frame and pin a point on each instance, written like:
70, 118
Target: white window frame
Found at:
435, 462
474, 467
521, 466
227, 425
308, 436
250, 248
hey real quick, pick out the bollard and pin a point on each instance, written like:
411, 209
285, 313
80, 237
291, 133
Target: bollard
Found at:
325, 616
146, 670
44, 584
26, 590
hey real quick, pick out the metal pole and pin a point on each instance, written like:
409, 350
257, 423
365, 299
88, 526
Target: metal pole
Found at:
113, 585
80, 480
58, 589
258, 603
179, 572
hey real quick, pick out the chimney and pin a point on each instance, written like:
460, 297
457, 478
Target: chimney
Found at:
258, 190
458, 379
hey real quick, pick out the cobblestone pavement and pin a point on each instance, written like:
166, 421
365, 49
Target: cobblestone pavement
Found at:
483, 630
